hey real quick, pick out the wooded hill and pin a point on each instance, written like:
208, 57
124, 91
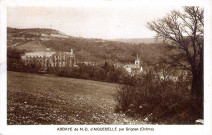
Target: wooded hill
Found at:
89, 49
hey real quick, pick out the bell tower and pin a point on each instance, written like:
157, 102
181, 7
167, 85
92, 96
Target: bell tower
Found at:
137, 62
72, 52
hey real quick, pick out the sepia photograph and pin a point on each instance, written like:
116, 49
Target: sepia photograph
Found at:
105, 66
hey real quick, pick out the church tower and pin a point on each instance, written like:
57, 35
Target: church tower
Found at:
137, 62
72, 52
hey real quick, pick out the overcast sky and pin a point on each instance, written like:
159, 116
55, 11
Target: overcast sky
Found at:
89, 22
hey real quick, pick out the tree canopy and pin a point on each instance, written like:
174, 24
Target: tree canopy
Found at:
184, 32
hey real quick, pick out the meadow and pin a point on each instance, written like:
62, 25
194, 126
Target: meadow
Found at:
47, 99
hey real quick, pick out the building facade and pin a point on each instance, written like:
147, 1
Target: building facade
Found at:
49, 59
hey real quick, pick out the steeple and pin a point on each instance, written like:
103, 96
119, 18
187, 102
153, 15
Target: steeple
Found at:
137, 62
72, 52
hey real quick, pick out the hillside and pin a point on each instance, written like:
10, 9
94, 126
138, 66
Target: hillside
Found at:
31, 46
15, 32
47, 99
85, 49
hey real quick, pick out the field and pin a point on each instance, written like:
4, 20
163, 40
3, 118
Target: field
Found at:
31, 46
47, 99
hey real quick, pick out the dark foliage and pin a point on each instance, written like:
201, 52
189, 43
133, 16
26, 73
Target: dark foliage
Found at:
108, 50
160, 100
106, 73
14, 62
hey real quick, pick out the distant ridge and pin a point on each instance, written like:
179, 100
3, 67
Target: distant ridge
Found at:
138, 40
38, 31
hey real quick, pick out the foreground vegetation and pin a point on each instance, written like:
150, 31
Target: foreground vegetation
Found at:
162, 101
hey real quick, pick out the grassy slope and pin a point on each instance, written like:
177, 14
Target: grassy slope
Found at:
31, 46
47, 99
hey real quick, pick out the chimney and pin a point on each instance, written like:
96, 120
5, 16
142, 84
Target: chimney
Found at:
72, 52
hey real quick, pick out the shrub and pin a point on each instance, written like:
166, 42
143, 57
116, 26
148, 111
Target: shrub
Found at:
159, 101
14, 62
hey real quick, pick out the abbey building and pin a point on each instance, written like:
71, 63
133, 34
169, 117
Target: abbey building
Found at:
47, 59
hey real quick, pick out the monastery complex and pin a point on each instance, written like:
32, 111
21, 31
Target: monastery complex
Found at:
45, 59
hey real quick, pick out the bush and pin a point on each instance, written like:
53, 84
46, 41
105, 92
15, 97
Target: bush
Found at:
159, 101
107, 73
14, 62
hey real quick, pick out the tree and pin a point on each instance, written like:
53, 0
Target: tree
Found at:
184, 33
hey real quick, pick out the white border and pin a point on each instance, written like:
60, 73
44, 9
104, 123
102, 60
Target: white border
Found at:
205, 129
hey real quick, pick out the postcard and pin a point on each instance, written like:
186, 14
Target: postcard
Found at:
105, 67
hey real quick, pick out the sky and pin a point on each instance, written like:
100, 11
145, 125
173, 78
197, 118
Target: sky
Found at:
89, 22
